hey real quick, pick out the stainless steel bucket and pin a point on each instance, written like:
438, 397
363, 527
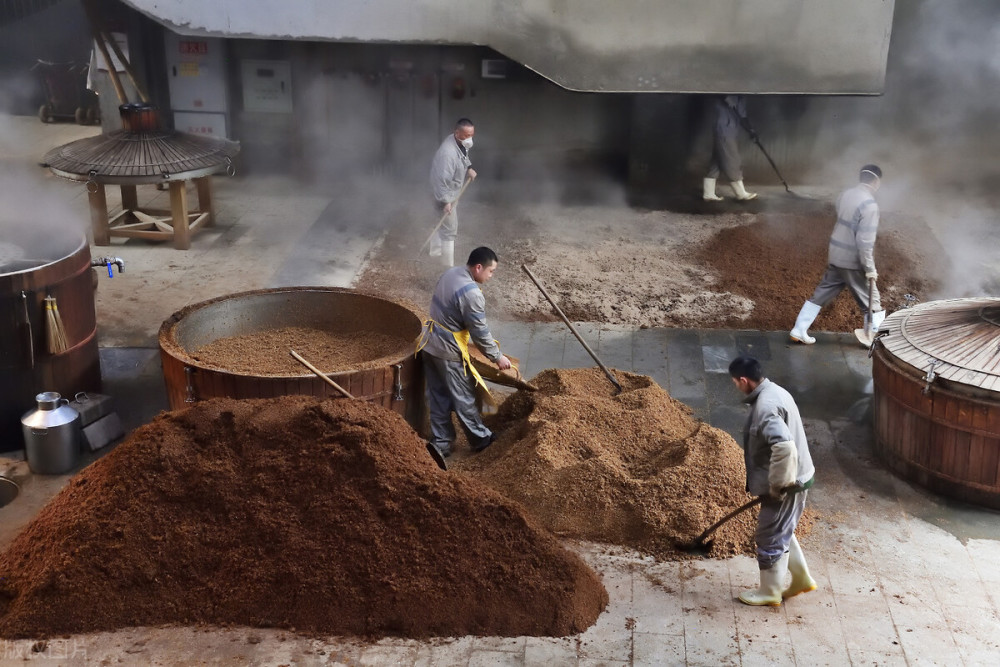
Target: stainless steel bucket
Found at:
52, 435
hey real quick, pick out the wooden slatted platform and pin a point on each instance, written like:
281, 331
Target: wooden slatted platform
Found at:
137, 158
130, 159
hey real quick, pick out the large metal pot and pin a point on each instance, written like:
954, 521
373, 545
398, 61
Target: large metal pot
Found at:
52, 435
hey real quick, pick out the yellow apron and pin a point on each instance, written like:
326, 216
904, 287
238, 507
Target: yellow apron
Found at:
462, 340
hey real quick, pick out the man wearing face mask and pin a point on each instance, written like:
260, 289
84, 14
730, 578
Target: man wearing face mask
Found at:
449, 171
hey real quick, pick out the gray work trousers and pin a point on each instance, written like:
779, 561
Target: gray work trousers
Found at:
726, 157
451, 389
448, 231
836, 279
776, 525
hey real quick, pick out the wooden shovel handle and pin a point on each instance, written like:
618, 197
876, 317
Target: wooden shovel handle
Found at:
441, 221
323, 377
572, 329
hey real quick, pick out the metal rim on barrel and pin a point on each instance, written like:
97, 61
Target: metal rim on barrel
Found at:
395, 384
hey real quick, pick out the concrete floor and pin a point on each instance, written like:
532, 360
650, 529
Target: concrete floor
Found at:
905, 577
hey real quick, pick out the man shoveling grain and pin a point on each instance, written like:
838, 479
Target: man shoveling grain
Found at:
780, 470
851, 261
458, 316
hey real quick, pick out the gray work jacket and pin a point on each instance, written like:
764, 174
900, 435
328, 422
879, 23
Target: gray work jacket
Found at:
458, 303
773, 418
852, 242
448, 169
730, 109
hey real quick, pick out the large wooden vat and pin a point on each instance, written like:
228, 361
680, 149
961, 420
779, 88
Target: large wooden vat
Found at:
37, 260
937, 406
397, 385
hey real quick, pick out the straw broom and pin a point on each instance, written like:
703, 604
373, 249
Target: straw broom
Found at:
55, 333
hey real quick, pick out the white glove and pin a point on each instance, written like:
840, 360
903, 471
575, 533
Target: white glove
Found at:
871, 275
783, 467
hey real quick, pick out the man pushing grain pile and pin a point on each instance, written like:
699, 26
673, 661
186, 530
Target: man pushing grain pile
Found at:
779, 469
458, 316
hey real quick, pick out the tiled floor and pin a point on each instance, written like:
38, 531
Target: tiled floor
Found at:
904, 577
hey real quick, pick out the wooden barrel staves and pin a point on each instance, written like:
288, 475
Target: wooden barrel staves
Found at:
937, 398
395, 382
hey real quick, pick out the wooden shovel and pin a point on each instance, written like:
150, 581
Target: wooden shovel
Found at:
443, 217
593, 355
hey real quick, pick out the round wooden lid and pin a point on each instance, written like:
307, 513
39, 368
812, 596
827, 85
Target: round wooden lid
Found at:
124, 157
957, 339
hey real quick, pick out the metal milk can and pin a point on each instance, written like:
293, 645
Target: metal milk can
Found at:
52, 435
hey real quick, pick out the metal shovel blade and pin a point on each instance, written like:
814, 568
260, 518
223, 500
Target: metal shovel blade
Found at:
702, 544
865, 337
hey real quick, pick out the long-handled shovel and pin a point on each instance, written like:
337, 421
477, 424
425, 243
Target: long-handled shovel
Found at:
756, 139
431, 449
441, 221
702, 543
865, 336
618, 387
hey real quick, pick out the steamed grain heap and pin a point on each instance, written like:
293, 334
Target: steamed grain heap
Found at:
267, 352
635, 469
321, 516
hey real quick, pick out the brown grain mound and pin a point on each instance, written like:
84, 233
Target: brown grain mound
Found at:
635, 469
320, 516
266, 352
778, 261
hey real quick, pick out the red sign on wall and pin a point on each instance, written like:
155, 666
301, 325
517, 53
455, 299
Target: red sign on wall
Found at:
192, 47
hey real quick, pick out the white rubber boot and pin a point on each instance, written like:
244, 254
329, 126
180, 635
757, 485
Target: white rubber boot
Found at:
772, 582
448, 253
877, 318
741, 192
435, 248
807, 315
801, 581
708, 190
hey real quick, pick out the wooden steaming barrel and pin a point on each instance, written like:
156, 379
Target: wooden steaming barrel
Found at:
396, 384
937, 397
39, 260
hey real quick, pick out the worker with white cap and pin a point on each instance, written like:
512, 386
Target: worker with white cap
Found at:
850, 258
779, 470
450, 170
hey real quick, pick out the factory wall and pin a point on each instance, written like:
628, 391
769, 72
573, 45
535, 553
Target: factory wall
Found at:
362, 108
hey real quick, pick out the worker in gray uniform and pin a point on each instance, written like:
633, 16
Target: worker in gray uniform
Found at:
731, 113
450, 169
458, 317
850, 257
780, 470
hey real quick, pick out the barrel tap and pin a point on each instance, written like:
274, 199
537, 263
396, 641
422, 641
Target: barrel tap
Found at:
108, 261
931, 375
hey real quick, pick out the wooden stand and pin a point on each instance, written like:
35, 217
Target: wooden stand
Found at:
177, 223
